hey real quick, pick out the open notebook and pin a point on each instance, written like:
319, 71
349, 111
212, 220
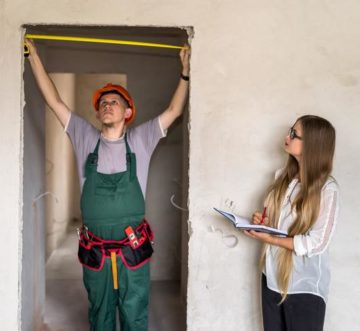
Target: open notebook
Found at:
243, 223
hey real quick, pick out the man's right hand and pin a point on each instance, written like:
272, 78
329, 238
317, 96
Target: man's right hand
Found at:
31, 47
46, 85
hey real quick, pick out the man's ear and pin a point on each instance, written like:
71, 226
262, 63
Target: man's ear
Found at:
97, 114
128, 113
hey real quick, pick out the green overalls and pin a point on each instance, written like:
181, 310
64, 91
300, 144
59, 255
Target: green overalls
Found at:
110, 203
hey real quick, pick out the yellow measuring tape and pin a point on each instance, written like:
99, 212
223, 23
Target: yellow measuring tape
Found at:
97, 41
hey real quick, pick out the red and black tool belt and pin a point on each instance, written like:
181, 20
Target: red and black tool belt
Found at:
93, 250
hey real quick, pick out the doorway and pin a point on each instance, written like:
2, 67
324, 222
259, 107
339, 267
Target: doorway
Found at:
51, 279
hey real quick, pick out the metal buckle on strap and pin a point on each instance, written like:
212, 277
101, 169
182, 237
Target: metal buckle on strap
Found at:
83, 230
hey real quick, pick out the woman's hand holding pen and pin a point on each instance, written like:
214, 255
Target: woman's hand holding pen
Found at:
260, 219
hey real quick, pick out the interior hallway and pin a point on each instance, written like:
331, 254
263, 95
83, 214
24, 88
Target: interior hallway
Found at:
66, 299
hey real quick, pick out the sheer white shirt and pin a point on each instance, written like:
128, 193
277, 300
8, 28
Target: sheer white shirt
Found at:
311, 272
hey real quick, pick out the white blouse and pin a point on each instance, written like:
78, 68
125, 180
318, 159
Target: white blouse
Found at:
311, 272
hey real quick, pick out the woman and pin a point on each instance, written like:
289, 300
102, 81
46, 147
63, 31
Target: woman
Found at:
304, 201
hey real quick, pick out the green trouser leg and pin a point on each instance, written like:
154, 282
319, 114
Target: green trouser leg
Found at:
132, 297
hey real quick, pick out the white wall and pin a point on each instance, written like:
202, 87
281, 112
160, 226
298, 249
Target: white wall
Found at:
33, 208
256, 66
60, 168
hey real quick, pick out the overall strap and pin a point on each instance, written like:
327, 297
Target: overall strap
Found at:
130, 160
92, 160
128, 150
97, 147
93, 157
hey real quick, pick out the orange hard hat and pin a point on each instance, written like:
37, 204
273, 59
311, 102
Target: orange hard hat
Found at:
118, 90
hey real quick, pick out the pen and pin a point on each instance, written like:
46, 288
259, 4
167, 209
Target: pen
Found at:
263, 216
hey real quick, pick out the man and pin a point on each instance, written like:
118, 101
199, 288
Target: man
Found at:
113, 167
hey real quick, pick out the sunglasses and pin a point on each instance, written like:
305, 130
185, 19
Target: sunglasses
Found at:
292, 134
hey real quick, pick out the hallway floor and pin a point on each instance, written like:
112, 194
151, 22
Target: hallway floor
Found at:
66, 299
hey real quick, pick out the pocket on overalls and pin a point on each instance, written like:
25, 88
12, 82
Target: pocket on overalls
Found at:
91, 255
105, 190
135, 257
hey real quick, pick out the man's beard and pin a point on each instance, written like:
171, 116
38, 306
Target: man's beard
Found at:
108, 125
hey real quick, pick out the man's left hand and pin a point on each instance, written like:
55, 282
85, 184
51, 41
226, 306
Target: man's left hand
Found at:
185, 59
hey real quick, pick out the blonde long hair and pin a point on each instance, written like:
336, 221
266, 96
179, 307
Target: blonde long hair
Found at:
318, 138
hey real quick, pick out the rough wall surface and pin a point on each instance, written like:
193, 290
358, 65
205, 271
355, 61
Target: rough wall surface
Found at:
34, 200
60, 161
256, 66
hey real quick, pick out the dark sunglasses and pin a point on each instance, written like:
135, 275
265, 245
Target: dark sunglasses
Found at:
292, 134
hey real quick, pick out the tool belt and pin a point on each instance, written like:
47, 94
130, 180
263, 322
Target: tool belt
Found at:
93, 250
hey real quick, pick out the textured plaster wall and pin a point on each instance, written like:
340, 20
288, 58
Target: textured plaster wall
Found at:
256, 66
60, 168
33, 227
